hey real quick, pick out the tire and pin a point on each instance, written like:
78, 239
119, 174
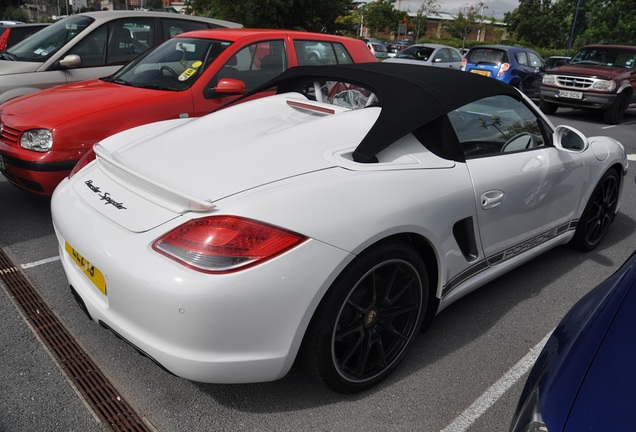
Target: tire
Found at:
598, 214
615, 113
548, 108
368, 319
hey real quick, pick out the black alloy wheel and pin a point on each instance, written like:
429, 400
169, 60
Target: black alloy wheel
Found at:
368, 319
599, 212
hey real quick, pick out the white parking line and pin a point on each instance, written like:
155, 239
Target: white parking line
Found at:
490, 396
631, 157
39, 263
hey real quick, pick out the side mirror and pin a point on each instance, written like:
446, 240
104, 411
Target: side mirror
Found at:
71, 61
226, 87
569, 139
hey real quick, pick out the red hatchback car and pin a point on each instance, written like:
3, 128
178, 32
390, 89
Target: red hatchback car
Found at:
44, 134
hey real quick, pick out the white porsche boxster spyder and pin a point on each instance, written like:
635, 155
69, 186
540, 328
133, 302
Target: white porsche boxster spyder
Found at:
326, 224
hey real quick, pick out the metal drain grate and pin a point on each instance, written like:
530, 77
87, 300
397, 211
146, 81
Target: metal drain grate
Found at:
99, 393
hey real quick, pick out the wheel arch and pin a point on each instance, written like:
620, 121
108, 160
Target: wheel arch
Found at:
425, 249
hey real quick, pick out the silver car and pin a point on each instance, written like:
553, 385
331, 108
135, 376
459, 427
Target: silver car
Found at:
88, 45
429, 55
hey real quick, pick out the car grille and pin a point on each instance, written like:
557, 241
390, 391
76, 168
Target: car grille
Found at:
574, 82
9, 135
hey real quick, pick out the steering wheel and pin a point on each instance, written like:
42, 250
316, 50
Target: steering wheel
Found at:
524, 140
170, 71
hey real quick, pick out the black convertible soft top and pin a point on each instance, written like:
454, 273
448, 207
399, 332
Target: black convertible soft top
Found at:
414, 99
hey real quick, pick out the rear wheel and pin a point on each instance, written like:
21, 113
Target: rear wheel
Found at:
368, 319
598, 214
548, 108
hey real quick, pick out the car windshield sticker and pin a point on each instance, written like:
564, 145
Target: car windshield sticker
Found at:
187, 74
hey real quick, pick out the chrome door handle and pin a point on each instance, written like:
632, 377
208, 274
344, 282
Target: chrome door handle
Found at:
491, 199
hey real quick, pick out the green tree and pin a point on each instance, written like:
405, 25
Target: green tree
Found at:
540, 22
464, 24
319, 16
608, 21
381, 15
426, 9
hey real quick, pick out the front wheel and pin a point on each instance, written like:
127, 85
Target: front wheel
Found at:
548, 108
615, 113
368, 319
598, 214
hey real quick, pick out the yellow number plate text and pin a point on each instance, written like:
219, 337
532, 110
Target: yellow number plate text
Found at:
89, 270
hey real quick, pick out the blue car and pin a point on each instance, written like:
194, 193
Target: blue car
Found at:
584, 379
520, 67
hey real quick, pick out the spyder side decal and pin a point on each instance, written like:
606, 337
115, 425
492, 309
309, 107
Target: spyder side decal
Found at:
507, 254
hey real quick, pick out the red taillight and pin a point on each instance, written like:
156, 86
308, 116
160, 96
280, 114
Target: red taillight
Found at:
4, 37
463, 64
503, 68
220, 244
88, 157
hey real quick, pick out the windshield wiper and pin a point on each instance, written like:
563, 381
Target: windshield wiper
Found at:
156, 87
6, 55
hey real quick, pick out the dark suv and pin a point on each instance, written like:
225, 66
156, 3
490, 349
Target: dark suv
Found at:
520, 67
598, 77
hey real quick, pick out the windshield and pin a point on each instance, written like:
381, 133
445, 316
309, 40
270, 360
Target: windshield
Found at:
422, 53
602, 56
174, 65
43, 44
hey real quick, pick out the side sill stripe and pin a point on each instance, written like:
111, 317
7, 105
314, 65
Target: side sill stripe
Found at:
509, 253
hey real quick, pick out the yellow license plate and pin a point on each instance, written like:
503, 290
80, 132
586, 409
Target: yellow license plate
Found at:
480, 72
89, 269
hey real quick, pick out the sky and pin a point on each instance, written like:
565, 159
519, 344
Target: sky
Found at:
496, 8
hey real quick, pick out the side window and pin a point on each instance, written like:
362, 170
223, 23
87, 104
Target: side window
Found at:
455, 56
92, 48
122, 45
321, 53
521, 58
254, 64
442, 56
535, 60
172, 27
496, 125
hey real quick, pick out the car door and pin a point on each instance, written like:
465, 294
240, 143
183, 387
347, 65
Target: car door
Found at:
525, 189
253, 64
105, 49
533, 83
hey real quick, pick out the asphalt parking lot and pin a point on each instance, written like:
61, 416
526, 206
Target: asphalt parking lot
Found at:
464, 374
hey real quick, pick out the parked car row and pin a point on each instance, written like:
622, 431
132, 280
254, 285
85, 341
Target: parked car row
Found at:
183, 77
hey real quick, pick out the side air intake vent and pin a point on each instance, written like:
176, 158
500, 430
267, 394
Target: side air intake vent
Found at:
464, 234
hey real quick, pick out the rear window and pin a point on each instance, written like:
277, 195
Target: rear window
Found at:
487, 55
379, 47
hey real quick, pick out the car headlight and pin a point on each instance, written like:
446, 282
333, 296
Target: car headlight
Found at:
605, 85
40, 140
529, 418
549, 79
